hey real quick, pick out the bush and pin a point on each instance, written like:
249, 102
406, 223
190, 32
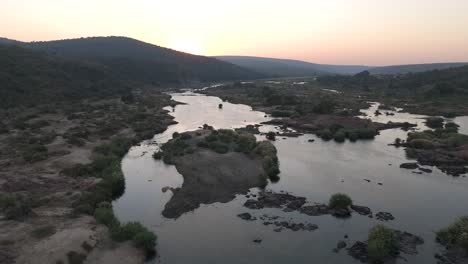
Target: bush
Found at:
340, 136
246, 143
35, 152
434, 122
218, 147
145, 240
325, 134
185, 136
452, 127
7, 201
271, 136
340, 200
421, 144
158, 155
75, 257
43, 232
105, 216
382, 243
280, 113
366, 133
456, 234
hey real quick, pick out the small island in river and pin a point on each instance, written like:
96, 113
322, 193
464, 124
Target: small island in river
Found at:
216, 165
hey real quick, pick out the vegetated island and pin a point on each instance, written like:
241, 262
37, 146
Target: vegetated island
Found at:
216, 165
442, 147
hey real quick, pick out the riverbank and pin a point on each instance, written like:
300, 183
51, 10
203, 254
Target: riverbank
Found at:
39, 147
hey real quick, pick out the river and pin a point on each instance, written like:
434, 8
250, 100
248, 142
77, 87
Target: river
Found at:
421, 203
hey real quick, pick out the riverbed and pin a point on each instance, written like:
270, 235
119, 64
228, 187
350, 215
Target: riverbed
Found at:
368, 171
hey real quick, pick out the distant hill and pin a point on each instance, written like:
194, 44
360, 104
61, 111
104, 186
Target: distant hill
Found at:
414, 68
138, 60
290, 68
295, 68
30, 77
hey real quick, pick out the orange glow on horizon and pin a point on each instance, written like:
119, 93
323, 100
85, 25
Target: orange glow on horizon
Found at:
365, 32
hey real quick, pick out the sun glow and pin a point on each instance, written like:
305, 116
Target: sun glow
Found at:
188, 46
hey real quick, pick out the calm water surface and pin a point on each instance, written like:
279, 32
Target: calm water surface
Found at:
213, 233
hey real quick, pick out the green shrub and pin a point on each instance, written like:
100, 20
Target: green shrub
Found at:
382, 243
145, 240
35, 152
185, 136
43, 232
246, 143
281, 113
340, 200
434, 122
271, 136
175, 135
452, 127
158, 155
353, 136
7, 201
325, 134
75, 257
456, 234
421, 144
127, 231
366, 133
105, 216
340, 136
218, 147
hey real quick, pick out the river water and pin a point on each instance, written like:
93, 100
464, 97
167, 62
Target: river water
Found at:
421, 203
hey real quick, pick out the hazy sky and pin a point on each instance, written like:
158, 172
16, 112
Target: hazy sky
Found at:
374, 32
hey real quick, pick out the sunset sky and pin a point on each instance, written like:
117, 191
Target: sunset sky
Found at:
372, 32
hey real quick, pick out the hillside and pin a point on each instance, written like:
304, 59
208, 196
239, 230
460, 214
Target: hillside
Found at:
295, 68
134, 59
289, 68
414, 68
29, 77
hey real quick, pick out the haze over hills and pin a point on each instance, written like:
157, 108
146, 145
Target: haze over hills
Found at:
133, 59
290, 68
295, 68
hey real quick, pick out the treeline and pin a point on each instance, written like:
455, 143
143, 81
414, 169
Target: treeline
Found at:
448, 82
30, 77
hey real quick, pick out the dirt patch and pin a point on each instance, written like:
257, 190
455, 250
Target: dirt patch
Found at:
210, 177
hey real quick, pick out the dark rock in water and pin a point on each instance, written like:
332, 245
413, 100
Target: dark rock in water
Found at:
253, 204
367, 180
407, 242
220, 106
455, 170
296, 226
340, 246
257, 240
409, 165
311, 140
452, 255
380, 183
359, 251
315, 210
341, 212
362, 210
246, 216
275, 200
425, 170
417, 172
384, 216
296, 204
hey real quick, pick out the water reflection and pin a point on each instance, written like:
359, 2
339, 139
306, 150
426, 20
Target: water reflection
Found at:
213, 233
